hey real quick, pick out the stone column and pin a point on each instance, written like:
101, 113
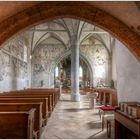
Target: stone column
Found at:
75, 95
109, 69
29, 67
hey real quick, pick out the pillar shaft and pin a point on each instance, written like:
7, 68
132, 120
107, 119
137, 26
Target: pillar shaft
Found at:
75, 95
29, 67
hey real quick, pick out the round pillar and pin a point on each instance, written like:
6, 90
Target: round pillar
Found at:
75, 95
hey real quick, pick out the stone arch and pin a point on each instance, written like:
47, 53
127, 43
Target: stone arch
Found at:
81, 10
81, 56
62, 57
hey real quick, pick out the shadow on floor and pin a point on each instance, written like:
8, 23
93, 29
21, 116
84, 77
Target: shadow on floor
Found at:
97, 113
65, 100
94, 125
99, 135
76, 109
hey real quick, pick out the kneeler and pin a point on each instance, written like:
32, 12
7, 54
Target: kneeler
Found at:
105, 109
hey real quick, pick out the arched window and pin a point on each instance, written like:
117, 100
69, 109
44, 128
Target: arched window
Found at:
56, 72
80, 72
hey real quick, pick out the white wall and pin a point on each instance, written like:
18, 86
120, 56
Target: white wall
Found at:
13, 64
114, 72
48, 80
128, 74
11, 83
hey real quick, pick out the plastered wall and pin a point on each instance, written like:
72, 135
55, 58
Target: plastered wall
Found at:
128, 74
13, 65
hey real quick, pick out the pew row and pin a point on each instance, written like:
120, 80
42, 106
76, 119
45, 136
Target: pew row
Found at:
54, 91
30, 100
17, 125
23, 100
28, 95
25, 107
106, 96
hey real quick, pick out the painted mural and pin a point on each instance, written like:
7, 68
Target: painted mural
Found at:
43, 61
45, 49
97, 55
13, 65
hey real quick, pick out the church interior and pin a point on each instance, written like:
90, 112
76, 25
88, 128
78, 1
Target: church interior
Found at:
69, 70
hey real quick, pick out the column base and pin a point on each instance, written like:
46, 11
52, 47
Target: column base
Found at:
75, 97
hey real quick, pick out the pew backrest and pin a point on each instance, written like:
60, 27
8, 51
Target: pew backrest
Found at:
17, 125
30, 100
26, 107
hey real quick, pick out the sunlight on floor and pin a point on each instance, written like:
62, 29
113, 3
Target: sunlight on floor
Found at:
73, 120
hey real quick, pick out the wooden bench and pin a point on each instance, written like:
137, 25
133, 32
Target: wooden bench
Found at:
30, 92
4, 107
50, 97
30, 100
17, 125
28, 95
23, 100
56, 90
54, 93
107, 96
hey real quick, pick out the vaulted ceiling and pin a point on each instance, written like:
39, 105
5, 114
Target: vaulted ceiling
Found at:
60, 31
126, 11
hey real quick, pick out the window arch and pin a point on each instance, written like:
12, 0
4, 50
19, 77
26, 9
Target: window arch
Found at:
80, 72
56, 72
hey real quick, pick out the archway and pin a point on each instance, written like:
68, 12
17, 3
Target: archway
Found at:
50, 10
62, 72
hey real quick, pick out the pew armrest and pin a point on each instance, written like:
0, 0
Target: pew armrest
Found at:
36, 133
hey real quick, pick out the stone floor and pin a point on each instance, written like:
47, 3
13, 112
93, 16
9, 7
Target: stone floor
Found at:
74, 120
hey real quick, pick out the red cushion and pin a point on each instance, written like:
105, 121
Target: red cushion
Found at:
108, 108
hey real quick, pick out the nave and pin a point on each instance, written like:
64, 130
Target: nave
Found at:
74, 120
79, 48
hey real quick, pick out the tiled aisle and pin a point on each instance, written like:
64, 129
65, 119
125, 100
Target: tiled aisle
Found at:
73, 120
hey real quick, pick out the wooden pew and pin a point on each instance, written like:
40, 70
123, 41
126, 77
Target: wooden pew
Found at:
87, 89
29, 100
101, 96
5, 107
107, 96
28, 95
51, 100
55, 91
42, 92
17, 125
107, 100
50, 96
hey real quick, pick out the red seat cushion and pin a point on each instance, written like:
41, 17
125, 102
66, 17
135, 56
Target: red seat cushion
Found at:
108, 108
